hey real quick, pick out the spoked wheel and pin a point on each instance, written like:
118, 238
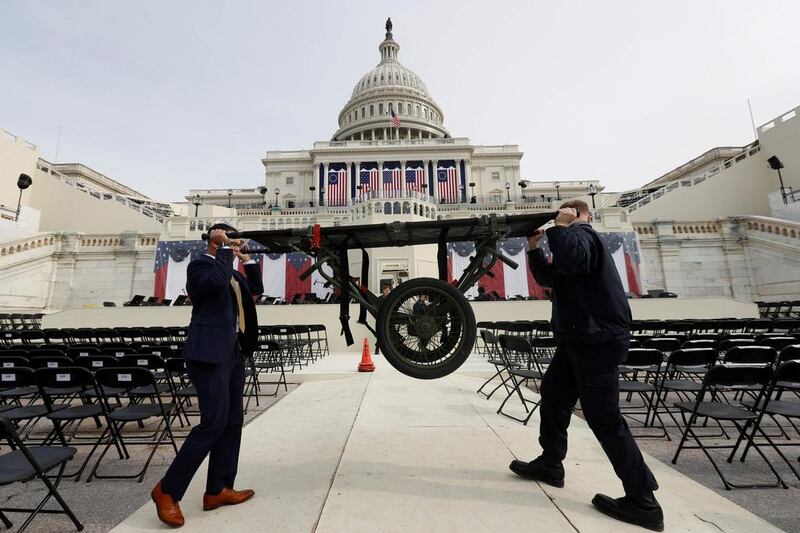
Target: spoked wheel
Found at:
426, 328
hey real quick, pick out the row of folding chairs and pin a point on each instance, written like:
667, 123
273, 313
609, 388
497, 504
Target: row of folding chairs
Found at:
725, 325
21, 321
790, 309
128, 335
735, 391
735, 400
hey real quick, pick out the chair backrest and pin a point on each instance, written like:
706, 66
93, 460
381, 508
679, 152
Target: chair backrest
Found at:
727, 344
75, 352
692, 357
514, 343
751, 355
11, 361
124, 377
790, 353
663, 344
95, 362
700, 343
63, 378
51, 361
165, 352
643, 357
46, 352
737, 376
16, 377
778, 343
117, 351
142, 360
787, 375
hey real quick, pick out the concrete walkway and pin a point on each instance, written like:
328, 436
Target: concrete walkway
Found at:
383, 452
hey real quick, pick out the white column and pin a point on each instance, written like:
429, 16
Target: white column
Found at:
325, 181
458, 179
402, 178
434, 192
380, 179
357, 178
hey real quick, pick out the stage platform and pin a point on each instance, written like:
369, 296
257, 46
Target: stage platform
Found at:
384, 452
642, 309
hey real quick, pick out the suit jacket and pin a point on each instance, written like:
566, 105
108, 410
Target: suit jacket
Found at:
212, 330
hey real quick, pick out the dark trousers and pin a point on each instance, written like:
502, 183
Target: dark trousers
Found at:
589, 372
220, 387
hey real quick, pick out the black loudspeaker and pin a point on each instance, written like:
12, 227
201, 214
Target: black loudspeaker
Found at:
775, 163
24, 181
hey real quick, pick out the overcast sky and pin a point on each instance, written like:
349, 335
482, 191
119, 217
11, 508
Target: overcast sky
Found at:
167, 96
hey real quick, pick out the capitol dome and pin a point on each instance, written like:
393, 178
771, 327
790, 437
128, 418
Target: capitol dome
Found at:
388, 87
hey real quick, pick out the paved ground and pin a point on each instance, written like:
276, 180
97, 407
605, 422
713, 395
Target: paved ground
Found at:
383, 452
102, 504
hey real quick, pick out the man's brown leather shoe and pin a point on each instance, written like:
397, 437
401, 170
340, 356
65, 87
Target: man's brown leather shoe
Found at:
168, 509
226, 497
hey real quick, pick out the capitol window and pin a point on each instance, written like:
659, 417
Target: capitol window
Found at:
495, 176
363, 114
371, 110
289, 180
380, 109
400, 108
416, 111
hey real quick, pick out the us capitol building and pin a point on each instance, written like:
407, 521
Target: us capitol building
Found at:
720, 224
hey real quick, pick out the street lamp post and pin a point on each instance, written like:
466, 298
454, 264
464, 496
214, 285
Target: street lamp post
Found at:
23, 182
523, 185
472, 192
277, 192
321, 195
558, 189
312, 189
592, 193
463, 198
196, 200
424, 190
508, 192
230, 195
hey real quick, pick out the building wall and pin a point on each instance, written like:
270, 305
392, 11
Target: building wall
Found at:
781, 137
67, 208
747, 258
64, 270
17, 156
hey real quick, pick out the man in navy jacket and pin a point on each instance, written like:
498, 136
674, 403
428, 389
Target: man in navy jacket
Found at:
223, 327
591, 324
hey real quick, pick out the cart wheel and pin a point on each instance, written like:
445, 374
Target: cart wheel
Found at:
426, 328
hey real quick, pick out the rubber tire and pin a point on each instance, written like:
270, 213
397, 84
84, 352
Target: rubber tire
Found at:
466, 341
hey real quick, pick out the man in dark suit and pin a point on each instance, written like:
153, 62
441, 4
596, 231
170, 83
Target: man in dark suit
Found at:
591, 324
223, 327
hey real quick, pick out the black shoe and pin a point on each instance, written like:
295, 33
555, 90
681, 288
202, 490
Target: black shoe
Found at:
644, 512
540, 469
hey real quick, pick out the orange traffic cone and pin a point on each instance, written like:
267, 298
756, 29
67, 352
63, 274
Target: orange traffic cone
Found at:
366, 364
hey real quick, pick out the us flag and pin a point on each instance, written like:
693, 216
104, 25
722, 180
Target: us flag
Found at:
368, 181
415, 177
337, 187
392, 179
395, 118
447, 185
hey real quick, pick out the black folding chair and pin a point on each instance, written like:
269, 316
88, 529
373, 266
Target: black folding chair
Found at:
268, 357
129, 379
682, 376
717, 381
494, 357
786, 378
62, 383
518, 351
24, 463
639, 376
